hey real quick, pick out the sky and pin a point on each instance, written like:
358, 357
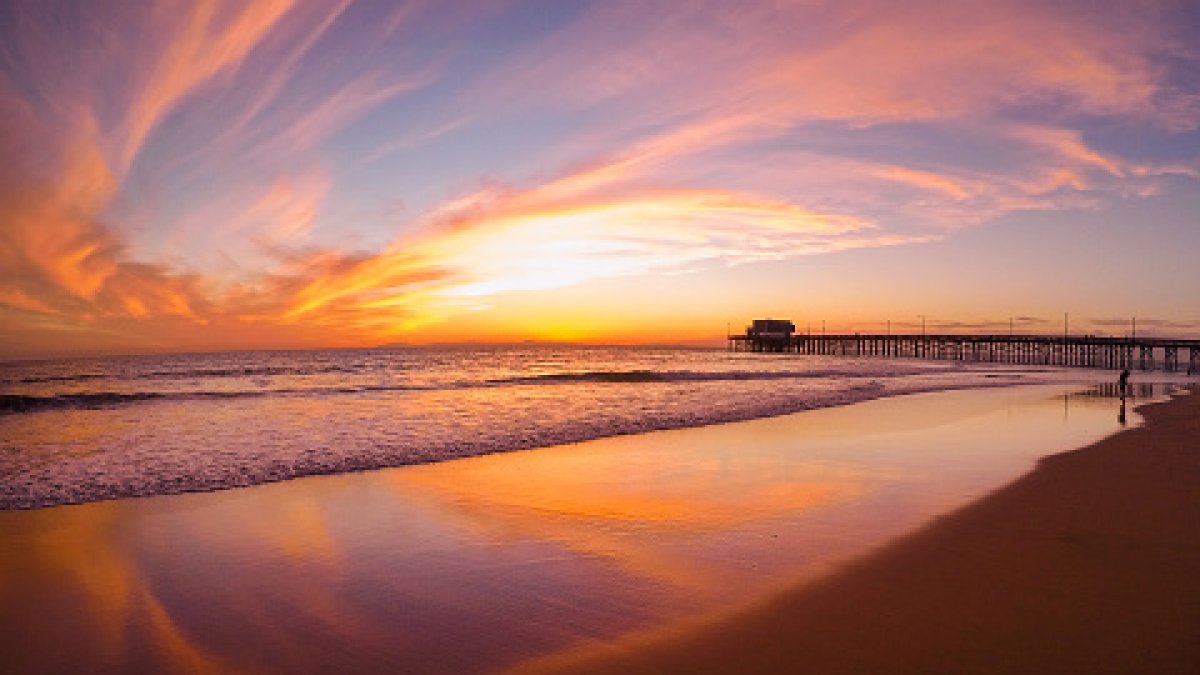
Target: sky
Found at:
204, 175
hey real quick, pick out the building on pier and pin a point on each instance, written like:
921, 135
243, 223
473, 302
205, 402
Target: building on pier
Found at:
769, 335
771, 328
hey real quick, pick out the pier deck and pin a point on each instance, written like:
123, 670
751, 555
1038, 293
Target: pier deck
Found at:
1087, 351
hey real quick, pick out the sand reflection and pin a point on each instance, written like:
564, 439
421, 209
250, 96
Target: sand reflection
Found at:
646, 505
72, 596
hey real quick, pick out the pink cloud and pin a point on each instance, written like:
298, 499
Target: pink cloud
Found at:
707, 149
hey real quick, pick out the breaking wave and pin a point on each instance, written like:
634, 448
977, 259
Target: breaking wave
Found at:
24, 403
635, 376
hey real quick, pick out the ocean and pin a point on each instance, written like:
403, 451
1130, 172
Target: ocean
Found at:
80, 430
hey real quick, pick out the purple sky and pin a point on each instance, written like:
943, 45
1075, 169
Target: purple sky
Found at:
207, 175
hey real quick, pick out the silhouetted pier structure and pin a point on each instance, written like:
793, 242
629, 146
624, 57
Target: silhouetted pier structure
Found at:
1086, 351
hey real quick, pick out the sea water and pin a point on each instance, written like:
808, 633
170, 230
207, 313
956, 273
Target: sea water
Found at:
80, 430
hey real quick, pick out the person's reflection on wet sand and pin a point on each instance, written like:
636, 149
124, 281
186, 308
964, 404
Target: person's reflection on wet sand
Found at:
1122, 385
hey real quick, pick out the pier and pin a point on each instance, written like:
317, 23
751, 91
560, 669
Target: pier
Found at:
1085, 351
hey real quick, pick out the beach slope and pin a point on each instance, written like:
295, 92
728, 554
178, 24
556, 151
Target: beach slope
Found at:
1090, 563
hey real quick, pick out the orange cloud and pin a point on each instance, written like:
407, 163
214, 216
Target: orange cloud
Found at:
525, 243
61, 258
701, 135
927, 180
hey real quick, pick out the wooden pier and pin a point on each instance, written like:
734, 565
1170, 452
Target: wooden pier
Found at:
1086, 351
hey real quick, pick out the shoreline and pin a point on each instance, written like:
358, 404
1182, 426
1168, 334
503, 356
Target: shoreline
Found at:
1088, 563
12, 499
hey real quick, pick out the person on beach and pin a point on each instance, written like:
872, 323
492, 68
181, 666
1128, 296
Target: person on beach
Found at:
1123, 382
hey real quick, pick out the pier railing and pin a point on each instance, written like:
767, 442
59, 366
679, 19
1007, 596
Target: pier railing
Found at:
1088, 351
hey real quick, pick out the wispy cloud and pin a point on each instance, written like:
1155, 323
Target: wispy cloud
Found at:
200, 40
653, 139
1151, 323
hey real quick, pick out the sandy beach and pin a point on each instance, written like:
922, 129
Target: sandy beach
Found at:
1089, 564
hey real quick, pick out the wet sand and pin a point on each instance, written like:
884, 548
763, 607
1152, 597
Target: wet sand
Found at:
1089, 564
474, 565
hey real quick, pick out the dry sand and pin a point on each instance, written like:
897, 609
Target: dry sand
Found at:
1089, 564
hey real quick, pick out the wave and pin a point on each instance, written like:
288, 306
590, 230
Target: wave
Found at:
636, 376
253, 371
189, 373
23, 403
47, 379
585, 376
19, 403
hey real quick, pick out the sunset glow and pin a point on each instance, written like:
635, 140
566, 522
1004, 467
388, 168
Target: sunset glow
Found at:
201, 175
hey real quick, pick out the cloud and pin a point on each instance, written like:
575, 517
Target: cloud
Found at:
522, 243
1152, 323
206, 166
200, 40
63, 259
867, 61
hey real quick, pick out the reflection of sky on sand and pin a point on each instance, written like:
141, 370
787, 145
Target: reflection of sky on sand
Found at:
72, 592
657, 508
478, 563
